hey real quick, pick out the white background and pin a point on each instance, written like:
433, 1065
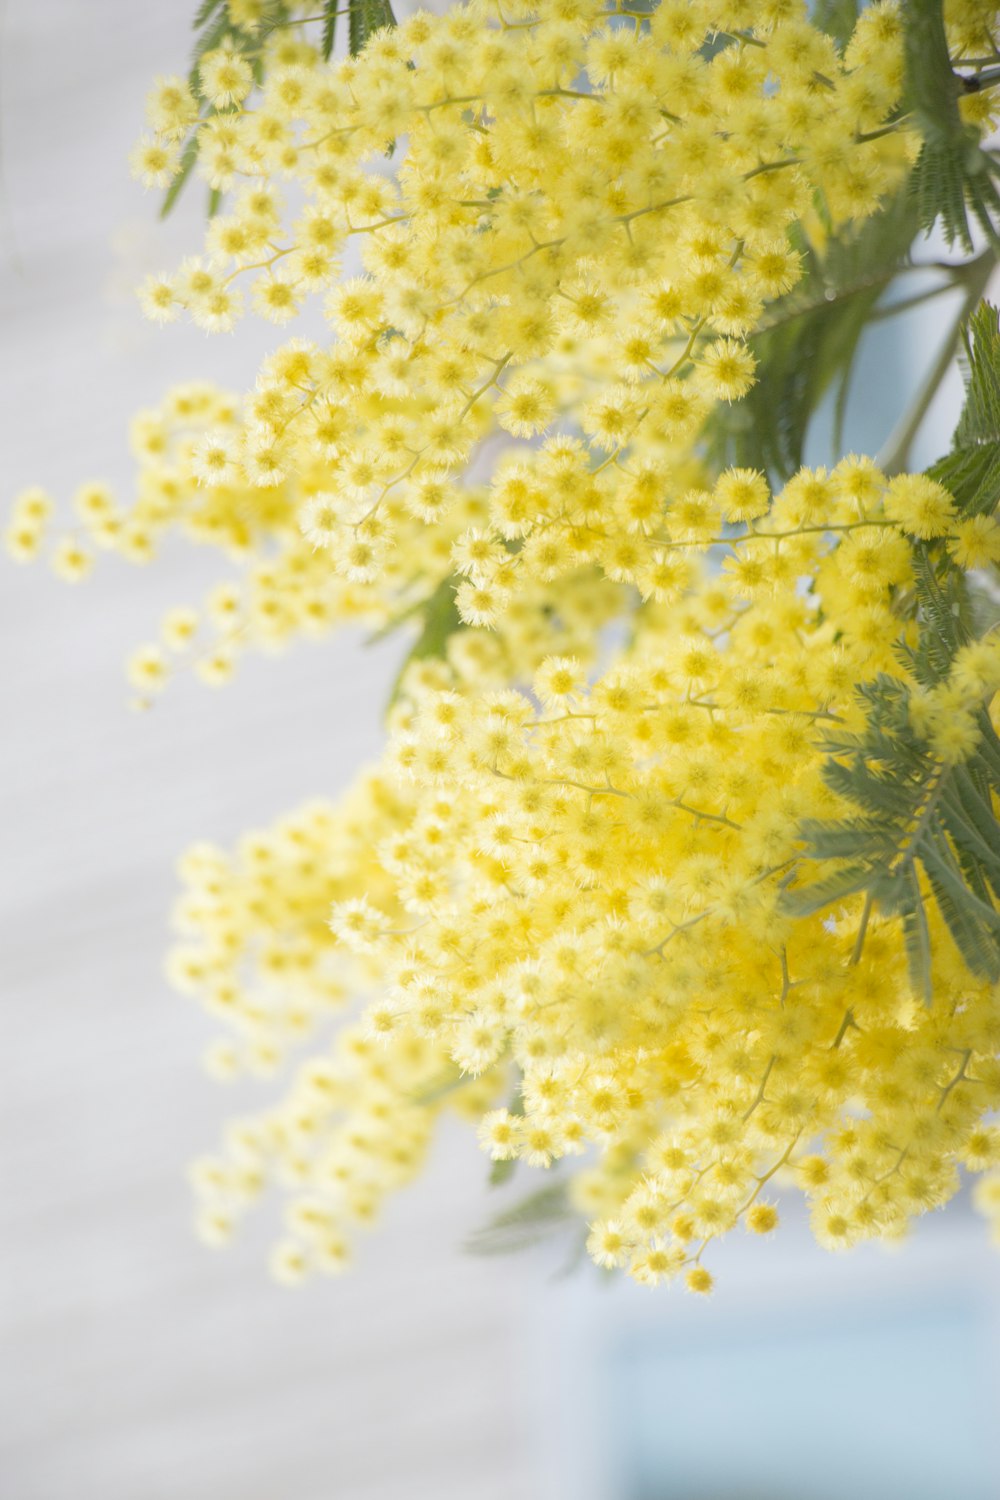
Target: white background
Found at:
134, 1362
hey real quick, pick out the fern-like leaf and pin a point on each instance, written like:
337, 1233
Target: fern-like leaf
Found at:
837, 18
528, 1223
439, 620
809, 342
953, 176
365, 18
919, 822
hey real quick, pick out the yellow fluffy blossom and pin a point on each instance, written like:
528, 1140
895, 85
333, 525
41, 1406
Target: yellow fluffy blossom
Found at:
575, 900
584, 219
540, 237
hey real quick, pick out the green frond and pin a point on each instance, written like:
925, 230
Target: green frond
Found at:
806, 900
212, 21
915, 816
953, 176
439, 619
329, 33
916, 936
364, 18
837, 18
809, 343
205, 11
528, 1223
188, 158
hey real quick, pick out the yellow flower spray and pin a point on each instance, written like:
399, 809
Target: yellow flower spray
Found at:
565, 894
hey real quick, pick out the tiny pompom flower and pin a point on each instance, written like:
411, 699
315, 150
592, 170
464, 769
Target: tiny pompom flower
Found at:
148, 670
526, 406
264, 463
158, 299
762, 1218
32, 506
171, 108
154, 162
559, 677
93, 502
332, 1254
356, 923
321, 520
216, 667
215, 459
289, 1263
651, 1267
23, 540
742, 495
699, 1280
608, 1245
478, 554
919, 505
726, 370
225, 78
275, 299
71, 561
499, 1133
214, 1227
976, 667
954, 738
217, 310
976, 542
478, 604
179, 628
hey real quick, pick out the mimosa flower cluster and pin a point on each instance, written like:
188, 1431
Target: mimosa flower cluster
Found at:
542, 236
584, 221
571, 897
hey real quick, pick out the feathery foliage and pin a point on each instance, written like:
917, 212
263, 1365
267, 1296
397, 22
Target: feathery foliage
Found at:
917, 817
529, 1222
837, 18
215, 29
954, 175
809, 341
971, 470
925, 826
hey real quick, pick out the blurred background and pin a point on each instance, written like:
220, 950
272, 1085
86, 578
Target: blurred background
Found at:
134, 1363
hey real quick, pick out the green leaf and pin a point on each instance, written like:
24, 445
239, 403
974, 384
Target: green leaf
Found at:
440, 620
329, 35
364, 18
973, 926
973, 823
972, 476
837, 18
979, 421
217, 29
916, 936
953, 174
204, 12
841, 841
528, 1223
207, 42
188, 158
989, 751
971, 471
809, 343
804, 901
443, 1088
915, 813
502, 1171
